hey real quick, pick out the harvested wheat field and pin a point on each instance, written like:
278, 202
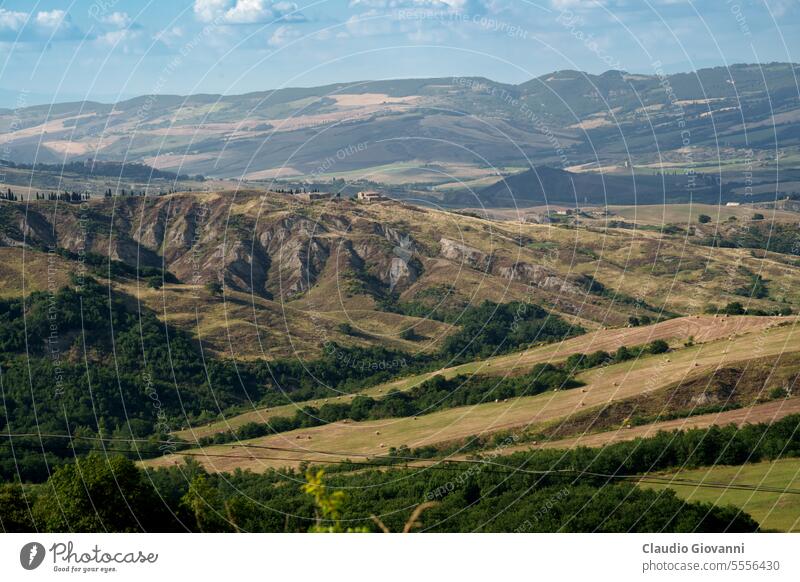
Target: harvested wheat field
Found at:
675, 331
609, 384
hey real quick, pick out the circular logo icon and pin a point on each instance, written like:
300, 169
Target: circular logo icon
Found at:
31, 555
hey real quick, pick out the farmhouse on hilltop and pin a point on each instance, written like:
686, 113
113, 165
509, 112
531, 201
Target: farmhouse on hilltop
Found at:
370, 196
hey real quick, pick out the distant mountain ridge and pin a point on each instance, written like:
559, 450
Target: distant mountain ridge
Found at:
562, 119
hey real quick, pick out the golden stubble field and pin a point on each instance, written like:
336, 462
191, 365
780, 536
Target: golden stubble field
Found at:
352, 440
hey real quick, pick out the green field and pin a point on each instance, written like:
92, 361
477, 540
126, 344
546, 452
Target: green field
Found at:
774, 511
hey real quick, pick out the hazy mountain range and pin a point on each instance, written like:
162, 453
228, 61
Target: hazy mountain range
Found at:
737, 123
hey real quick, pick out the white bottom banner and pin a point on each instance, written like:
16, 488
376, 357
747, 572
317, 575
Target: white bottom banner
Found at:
355, 557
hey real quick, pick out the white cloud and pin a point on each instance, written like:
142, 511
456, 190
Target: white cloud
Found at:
43, 25
248, 11
170, 36
323, 34
51, 19
245, 11
12, 20
283, 35
284, 7
118, 19
117, 37
454, 5
370, 23
208, 10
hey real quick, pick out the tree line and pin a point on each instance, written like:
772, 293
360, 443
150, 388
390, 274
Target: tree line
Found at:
582, 489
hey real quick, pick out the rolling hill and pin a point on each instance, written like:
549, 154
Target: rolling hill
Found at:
388, 273
263, 331
452, 131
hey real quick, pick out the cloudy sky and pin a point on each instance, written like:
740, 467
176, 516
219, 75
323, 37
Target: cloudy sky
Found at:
112, 49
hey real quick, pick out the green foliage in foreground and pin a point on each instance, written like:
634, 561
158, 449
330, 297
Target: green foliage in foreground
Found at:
491, 329
115, 496
510, 494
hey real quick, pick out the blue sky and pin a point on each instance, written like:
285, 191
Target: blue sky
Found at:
111, 49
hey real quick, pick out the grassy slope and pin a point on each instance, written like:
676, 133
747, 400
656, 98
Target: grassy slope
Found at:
746, 383
605, 385
772, 510
675, 331
246, 326
17, 265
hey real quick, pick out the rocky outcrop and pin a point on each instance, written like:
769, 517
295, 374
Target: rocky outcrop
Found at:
465, 254
388, 256
180, 236
402, 273
396, 237
538, 276
336, 222
299, 262
290, 227
151, 232
526, 273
